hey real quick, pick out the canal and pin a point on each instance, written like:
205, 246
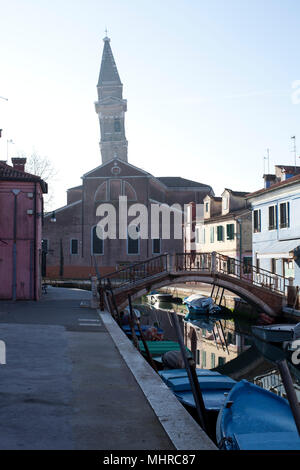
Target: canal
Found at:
223, 343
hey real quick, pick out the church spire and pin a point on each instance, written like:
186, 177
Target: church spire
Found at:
111, 108
108, 71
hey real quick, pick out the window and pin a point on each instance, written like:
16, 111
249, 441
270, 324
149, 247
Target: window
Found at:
212, 234
117, 125
203, 359
247, 263
45, 245
97, 243
156, 246
284, 211
203, 235
74, 246
230, 231
129, 191
115, 189
221, 360
288, 268
213, 360
197, 238
220, 233
257, 221
198, 357
133, 241
272, 217
273, 265
225, 203
206, 206
231, 266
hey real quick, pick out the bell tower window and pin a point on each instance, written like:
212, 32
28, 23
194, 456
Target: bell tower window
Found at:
117, 125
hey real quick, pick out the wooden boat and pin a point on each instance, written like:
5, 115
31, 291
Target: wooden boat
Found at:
255, 419
213, 386
199, 304
277, 333
155, 296
144, 328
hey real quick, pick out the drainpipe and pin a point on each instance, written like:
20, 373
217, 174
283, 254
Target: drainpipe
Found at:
14, 253
34, 244
240, 245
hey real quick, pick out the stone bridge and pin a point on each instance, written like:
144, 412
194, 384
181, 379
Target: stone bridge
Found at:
264, 290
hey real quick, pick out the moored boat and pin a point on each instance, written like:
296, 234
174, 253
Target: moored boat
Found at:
277, 333
255, 419
156, 296
213, 385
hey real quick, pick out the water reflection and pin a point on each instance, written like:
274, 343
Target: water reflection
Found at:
224, 343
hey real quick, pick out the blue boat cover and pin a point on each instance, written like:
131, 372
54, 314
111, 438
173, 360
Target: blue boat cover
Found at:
208, 382
176, 373
213, 399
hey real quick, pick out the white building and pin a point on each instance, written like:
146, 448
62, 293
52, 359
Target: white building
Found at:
276, 224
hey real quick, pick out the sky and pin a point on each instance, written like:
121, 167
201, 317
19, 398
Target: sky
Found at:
210, 85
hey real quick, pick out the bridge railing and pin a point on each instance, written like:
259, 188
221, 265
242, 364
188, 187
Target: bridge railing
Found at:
218, 263
136, 272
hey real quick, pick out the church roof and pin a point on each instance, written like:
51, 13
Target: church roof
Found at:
178, 182
108, 71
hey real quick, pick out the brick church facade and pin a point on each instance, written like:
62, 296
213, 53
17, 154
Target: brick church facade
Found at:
70, 240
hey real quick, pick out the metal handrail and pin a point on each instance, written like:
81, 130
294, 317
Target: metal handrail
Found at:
212, 262
217, 262
137, 271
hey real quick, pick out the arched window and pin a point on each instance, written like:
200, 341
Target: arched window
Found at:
97, 243
115, 189
101, 193
129, 192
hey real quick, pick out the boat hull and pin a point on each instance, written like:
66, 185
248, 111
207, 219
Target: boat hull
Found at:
277, 333
255, 419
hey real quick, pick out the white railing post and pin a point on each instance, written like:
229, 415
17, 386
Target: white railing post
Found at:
214, 262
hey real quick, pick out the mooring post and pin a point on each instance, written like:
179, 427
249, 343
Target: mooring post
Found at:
94, 301
192, 375
290, 391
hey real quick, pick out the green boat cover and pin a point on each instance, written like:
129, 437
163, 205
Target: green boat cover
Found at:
158, 348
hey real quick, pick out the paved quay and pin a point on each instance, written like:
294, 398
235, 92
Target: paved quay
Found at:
72, 380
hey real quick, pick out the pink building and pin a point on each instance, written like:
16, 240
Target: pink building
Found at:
21, 209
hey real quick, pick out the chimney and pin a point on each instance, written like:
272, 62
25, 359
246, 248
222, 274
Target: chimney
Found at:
19, 163
269, 180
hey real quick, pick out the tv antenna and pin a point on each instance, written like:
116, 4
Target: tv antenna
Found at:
268, 159
294, 150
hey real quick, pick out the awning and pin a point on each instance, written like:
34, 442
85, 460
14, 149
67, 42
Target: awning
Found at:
278, 249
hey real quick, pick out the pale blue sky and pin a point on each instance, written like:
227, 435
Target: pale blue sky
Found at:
208, 84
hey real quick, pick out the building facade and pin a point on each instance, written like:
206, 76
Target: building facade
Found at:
21, 202
72, 244
224, 227
276, 224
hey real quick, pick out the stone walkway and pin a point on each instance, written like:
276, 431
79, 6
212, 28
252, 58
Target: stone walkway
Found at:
65, 384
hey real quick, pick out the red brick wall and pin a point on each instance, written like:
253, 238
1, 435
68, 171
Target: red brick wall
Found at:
77, 272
